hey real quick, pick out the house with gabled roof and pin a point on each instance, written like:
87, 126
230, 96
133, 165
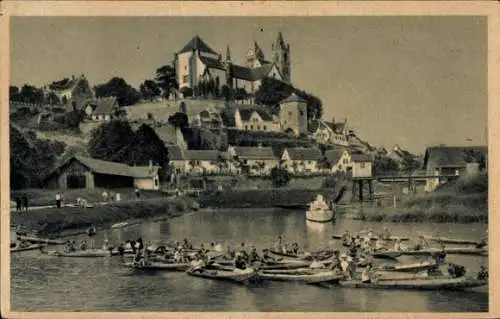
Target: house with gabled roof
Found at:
170, 135
442, 161
338, 160
255, 119
255, 160
197, 162
361, 165
301, 160
86, 172
105, 109
330, 133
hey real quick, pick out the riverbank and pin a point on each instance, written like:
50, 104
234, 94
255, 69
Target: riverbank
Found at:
53, 222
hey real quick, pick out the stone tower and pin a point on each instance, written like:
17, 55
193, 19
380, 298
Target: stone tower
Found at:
281, 54
293, 114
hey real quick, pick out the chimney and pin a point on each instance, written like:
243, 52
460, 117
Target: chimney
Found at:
150, 165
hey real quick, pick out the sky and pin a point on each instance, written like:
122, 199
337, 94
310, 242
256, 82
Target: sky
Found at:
412, 81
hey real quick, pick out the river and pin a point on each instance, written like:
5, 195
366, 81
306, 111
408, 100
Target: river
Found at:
46, 283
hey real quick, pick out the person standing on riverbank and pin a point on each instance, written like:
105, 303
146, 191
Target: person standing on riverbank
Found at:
18, 204
58, 200
25, 202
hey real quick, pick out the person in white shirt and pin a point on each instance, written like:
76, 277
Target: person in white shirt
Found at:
380, 244
344, 265
105, 196
58, 200
397, 245
316, 264
366, 275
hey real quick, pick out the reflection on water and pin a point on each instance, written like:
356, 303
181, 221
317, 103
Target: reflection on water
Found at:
42, 282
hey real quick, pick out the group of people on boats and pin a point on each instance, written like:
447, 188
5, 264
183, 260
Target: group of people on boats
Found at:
72, 246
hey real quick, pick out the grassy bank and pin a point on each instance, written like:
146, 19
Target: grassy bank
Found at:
53, 221
44, 197
463, 201
261, 198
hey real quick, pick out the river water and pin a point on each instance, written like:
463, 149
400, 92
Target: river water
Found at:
47, 283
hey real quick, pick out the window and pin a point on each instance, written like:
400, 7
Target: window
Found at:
251, 127
264, 127
290, 113
245, 162
156, 182
309, 162
185, 78
362, 165
246, 127
258, 127
185, 67
301, 113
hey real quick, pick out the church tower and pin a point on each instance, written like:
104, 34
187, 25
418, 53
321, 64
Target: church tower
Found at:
255, 56
281, 53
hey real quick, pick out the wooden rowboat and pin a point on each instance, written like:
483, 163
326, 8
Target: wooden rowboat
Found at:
158, 266
88, 253
236, 275
445, 283
30, 247
414, 267
446, 240
41, 240
450, 251
302, 276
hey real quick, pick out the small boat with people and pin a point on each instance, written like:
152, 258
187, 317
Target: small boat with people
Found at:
320, 211
392, 254
155, 266
412, 267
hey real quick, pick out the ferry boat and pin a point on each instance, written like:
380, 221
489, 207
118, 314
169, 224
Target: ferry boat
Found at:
319, 211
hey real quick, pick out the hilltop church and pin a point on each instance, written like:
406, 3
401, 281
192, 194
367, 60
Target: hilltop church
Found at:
197, 62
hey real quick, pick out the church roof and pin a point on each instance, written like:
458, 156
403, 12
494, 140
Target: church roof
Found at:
249, 74
196, 43
212, 63
293, 98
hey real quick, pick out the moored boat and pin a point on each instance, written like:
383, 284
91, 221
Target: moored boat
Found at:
319, 211
42, 240
446, 240
88, 253
309, 276
448, 250
413, 267
19, 248
433, 283
236, 275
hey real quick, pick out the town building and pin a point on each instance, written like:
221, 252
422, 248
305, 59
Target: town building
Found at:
197, 63
293, 115
445, 162
170, 135
68, 90
338, 160
361, 165
208, 119
199, 162
257, 161
255, 119
86, 172
330, 133
104, 109
301, 160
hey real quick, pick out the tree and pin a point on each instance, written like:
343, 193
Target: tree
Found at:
109, 140
166, 79
125, 94
187, 92
272, 92
472, 155
409, 165
384, 165
31, 159
150, 90
31, 94
179, 120
14, 93
280, 177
